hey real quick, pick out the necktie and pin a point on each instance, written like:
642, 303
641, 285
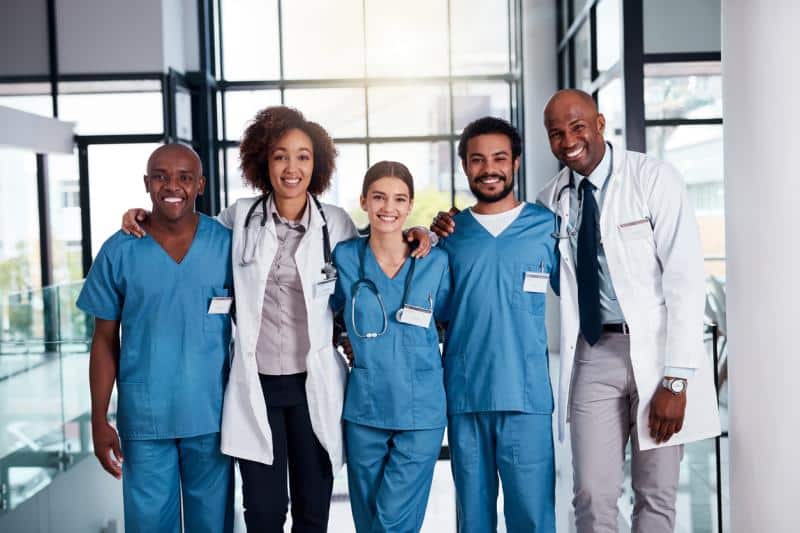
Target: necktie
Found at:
589, 267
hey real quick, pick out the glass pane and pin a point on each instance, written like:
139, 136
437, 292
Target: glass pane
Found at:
112, 107
409, 110
351, 164
479, 37
473, 100
250, 48
566, 68
19, 236
241, 107
429, 163
65, 218
611, 102
583, 61
323, 39
608, 34
115, 185
407, 38
683, 90
577, 6
30, 97
237, 187
339, 111
696, 151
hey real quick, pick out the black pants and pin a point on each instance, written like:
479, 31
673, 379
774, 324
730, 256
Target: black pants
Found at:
296, 449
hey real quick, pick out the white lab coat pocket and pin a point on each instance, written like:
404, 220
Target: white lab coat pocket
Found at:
636, 229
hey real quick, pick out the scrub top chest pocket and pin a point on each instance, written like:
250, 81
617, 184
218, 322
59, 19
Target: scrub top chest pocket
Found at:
217, 308
530, 286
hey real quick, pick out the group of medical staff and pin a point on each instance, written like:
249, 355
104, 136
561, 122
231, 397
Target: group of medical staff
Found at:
292, 410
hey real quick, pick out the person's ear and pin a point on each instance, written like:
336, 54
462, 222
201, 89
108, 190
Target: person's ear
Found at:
363, 202
201, 185
601, 124
517, 163
146, 184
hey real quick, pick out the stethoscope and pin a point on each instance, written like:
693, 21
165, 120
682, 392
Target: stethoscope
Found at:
328, 270
364, 282
558, 234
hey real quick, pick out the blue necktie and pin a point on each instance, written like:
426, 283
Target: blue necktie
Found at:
589, 267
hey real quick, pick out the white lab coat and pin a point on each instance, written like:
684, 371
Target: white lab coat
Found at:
245, 431
656, 267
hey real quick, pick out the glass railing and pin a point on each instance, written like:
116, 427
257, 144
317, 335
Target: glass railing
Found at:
44, 389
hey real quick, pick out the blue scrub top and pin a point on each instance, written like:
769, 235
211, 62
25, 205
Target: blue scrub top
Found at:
174, 356
495, 352
396, 381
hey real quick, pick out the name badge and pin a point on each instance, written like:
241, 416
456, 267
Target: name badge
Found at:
536, 282
324, 288
414, 316
220, 305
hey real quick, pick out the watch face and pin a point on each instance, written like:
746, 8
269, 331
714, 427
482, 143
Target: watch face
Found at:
677, 386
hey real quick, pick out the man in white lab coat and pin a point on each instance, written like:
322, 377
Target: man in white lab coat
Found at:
631, 284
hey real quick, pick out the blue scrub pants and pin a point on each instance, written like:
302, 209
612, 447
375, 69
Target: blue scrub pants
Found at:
518, 446
389, 475
158, 474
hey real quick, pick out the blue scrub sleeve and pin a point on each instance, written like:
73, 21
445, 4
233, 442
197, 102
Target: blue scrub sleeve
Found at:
441, 309
101, 295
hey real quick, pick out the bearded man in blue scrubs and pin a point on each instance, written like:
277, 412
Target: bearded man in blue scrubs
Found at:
499, 399
169, 295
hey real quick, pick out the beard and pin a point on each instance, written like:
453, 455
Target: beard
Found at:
508, 187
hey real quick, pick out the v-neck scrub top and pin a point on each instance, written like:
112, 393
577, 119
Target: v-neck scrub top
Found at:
495, 353
174, 355
396, 381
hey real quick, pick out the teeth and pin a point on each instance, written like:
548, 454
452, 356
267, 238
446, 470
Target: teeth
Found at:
575, 153
291, 181
386, 218
173, 200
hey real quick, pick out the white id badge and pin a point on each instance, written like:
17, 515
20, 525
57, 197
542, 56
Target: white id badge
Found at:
536, 282
220, 305
324, 288
415, 316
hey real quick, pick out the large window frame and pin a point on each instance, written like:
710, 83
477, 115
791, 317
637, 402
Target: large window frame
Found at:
513, 78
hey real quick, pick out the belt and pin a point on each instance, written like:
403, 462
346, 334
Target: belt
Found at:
617, 328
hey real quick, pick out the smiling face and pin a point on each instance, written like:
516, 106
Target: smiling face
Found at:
575, 130
490, 167
387, 203
173, 180
290, 164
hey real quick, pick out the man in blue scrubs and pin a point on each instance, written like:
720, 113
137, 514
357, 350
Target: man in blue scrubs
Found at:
499, 399
169, 295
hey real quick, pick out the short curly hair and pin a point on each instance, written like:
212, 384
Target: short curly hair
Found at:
263, 132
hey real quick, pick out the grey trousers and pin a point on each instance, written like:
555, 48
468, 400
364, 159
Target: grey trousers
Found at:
603, 408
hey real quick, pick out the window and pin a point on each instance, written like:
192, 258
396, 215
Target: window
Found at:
111, 107
383, 80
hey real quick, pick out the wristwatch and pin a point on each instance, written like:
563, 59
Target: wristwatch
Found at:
674, 385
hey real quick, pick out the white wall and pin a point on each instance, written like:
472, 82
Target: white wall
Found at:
682, 25
103, 36
760, 76
23, 38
